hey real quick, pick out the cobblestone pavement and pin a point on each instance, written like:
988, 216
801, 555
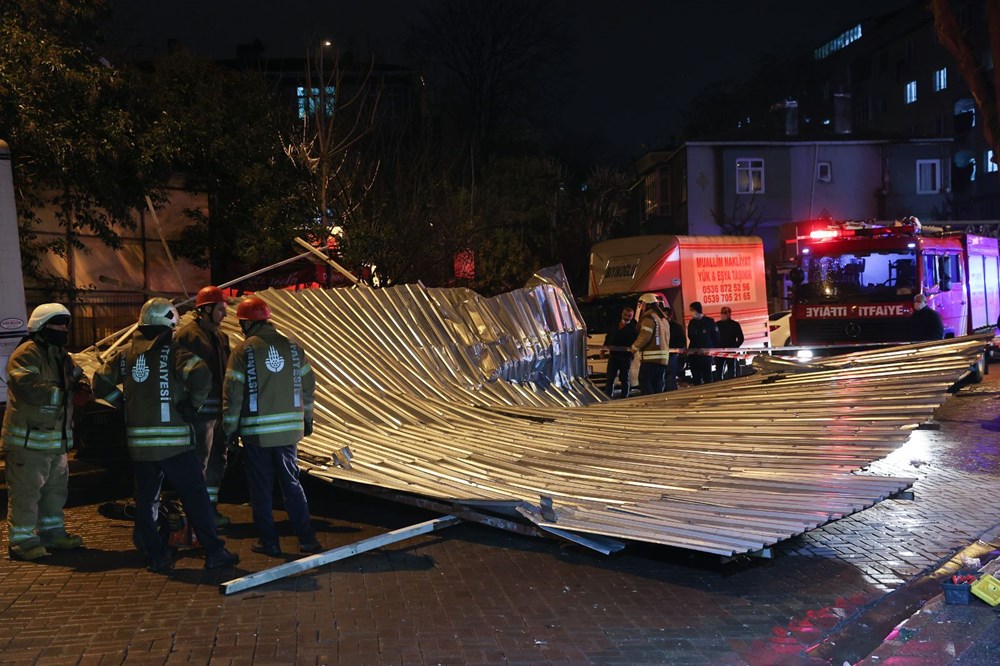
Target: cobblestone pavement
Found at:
472, 595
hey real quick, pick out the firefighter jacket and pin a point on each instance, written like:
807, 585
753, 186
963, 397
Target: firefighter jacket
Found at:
41, 379
703, 333
268, 394
154, 376
653, 342
203, 338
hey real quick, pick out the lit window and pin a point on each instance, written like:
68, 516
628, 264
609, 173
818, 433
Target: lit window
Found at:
991, 166
941, 79
312, 98
911, 92
928, 176
749, 176
652, 183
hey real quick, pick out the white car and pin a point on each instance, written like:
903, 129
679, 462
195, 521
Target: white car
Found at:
779, 325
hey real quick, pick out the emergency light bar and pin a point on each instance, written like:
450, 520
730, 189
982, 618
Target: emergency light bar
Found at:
908, 227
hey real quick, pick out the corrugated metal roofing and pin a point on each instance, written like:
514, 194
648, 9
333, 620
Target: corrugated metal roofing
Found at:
444, 394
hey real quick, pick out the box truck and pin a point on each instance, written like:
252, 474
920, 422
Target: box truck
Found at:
715, 270
13, 318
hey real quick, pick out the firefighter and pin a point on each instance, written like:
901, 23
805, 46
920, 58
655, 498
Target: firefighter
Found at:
163, 385
267, 401
38, 433
202, 337
653, 344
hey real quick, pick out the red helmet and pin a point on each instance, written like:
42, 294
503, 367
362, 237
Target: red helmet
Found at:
208, 295
253, 309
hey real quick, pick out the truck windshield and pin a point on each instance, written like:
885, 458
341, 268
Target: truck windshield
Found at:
877, 275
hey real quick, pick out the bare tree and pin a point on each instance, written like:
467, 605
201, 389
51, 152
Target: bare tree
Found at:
604, 202
744, 219
985, 90
337, 113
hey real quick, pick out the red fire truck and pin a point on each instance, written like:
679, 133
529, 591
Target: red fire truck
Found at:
854, 282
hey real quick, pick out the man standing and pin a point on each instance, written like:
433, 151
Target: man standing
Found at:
163, 386
653, 344
202, 338
925, 322
677, 341
702, 334
730, 337
619, 339
37, 434
267, 400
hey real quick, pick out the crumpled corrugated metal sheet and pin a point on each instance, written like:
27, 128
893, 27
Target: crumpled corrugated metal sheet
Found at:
442, 393
445, 394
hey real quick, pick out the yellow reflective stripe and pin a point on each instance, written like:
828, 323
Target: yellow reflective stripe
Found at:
272, 418
306, 369
265, 430
140, 431
189, 366
655, 354
161, 441
23, 371
235, 375
648, 328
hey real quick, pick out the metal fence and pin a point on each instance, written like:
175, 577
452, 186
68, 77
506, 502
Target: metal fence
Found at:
95, 316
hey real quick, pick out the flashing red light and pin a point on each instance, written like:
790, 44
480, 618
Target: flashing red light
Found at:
823, 234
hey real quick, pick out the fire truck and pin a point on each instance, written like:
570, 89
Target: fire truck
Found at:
854, 282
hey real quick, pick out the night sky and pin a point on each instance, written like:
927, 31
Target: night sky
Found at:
633, 65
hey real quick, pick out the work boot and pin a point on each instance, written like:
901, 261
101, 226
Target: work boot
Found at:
221, 558
64, 542
269, 549
162, 565
310, 547
27, 554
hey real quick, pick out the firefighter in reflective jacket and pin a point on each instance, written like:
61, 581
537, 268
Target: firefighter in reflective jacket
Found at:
37, 433
268, 401
163, 386
653, 344
202, 337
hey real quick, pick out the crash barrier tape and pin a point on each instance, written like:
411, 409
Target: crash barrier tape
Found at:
739, 352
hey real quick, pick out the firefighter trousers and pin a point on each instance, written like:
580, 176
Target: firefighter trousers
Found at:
183, 471
37, 488
210, 445
263, 465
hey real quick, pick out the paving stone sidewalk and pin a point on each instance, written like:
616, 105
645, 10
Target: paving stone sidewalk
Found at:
473, 595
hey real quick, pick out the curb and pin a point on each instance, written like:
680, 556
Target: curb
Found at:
859, 638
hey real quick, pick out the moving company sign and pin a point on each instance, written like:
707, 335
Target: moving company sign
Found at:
724, 277
862, 311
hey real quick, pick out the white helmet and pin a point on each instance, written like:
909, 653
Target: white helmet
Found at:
649, 298
158, 312
44, 313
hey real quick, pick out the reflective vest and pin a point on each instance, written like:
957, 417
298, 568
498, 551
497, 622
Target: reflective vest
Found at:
269, 388
40, 381
653, 342
153, 376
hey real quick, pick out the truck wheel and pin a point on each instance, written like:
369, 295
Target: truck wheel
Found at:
978, 369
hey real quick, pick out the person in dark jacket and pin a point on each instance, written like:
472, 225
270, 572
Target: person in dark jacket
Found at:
163, 386
925, 322
267, 399
619, 339
678, 340
202, 337
730, 337
702, 334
